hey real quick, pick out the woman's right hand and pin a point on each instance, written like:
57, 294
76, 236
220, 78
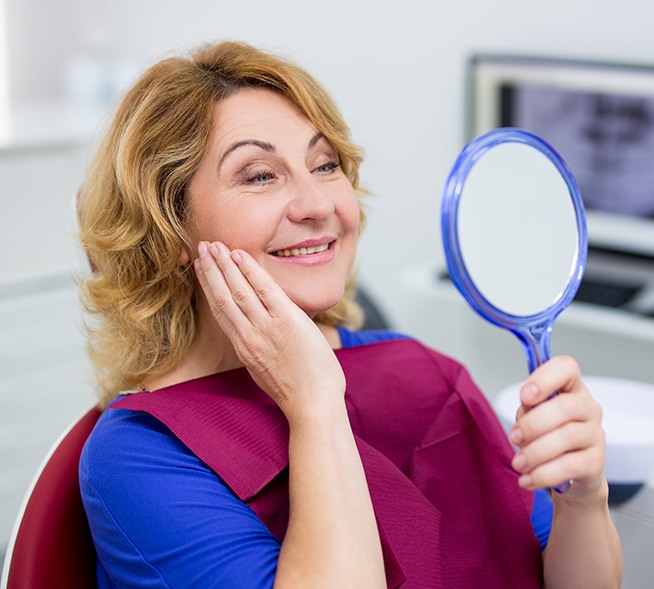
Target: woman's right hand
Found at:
332, 538
282, 348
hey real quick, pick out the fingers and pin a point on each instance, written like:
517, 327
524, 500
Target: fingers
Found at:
574, 450
571, 466
267, 291
559, 375
249, 306
235, 285
241, 291
552, 396
237, 305
558, 428
217, 292
550, 415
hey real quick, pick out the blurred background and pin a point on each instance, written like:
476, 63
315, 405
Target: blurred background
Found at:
396, 69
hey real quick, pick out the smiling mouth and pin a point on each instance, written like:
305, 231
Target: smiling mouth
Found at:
301, 251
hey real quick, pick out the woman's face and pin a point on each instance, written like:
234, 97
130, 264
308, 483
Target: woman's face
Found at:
271, 184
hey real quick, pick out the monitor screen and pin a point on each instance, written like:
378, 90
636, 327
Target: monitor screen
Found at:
599, 117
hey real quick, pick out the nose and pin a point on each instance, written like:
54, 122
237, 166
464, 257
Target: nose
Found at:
310, 201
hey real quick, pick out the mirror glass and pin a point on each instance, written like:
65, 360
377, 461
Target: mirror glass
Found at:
517, 228
514, 233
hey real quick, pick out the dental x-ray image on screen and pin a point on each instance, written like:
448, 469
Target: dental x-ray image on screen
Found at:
606, 139
600, 118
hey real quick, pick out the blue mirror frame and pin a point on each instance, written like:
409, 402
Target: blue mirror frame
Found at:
534, 331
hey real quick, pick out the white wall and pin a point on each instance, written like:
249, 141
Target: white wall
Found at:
395, 68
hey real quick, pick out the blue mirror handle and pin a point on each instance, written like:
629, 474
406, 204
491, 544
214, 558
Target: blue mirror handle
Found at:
536, 343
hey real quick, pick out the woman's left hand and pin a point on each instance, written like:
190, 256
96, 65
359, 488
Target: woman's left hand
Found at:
559, 438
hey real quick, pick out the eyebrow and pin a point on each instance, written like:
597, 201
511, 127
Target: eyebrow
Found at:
269, 147
234, 146
317, 137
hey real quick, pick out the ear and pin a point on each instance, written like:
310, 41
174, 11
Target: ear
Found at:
184, 258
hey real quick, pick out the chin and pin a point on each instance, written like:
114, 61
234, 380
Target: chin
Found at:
312, 311
313, 306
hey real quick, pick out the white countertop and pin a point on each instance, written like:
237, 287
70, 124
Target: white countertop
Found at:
49, 123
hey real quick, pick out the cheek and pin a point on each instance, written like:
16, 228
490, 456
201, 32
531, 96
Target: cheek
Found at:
235, 225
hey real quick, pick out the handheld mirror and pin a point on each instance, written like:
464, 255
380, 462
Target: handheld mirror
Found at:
514, 233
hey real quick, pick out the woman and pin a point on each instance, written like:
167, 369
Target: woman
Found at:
221, 215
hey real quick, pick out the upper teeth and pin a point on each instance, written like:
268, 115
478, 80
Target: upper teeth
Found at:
301, 251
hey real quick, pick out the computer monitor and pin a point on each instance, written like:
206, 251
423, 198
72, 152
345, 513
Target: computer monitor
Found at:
598, 116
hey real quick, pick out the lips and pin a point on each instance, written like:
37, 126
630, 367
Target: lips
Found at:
301, 251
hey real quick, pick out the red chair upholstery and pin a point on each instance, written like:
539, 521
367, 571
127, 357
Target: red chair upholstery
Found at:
51, 544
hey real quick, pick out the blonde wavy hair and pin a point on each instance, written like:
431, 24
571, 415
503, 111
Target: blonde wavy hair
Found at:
133, 208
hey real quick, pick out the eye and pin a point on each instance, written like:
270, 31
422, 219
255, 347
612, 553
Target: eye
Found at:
327, 167
261, 177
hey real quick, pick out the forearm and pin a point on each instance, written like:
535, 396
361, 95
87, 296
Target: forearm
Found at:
584, 548
332, 538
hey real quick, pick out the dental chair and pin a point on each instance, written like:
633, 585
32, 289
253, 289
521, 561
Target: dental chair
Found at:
51, 544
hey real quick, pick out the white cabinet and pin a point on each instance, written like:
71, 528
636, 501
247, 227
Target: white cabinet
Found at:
606, 342
45, 379
37, 188
45, 383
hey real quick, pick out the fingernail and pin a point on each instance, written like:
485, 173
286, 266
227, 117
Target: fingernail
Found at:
526, 481
236, 257
529, 392
202, 248
519, 461
516, 435
213, 248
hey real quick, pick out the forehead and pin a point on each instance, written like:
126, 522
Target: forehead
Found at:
256, 113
